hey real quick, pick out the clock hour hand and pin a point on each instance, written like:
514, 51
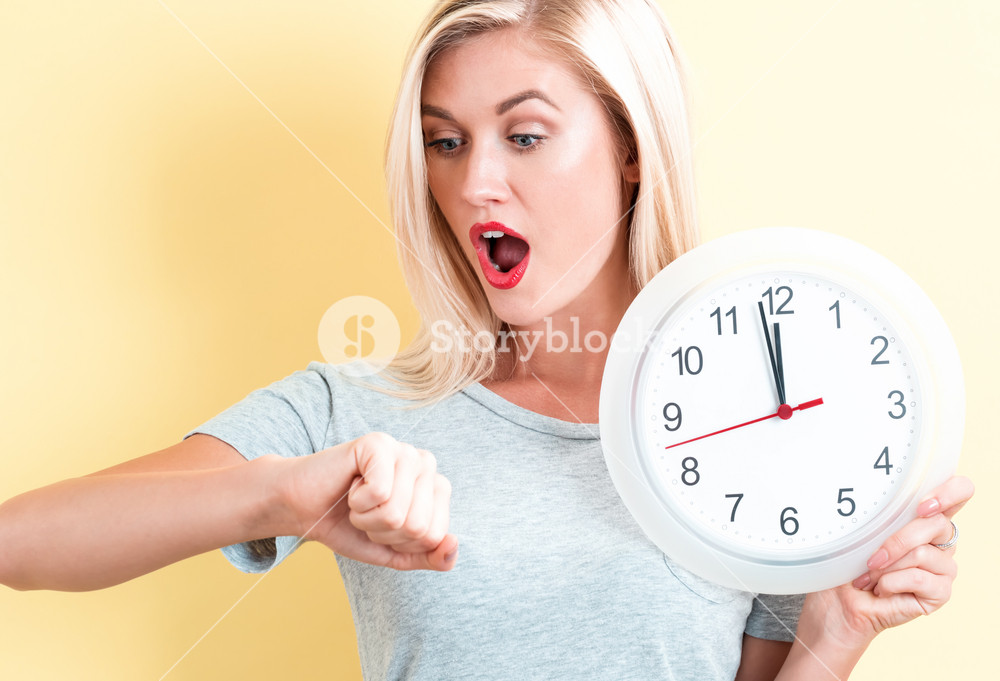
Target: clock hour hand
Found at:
784, 412
776, 368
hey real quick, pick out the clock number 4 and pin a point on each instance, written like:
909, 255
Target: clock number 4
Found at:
882, 462
771, 293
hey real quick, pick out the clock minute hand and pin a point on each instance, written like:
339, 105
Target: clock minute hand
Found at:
784, 412
775, 370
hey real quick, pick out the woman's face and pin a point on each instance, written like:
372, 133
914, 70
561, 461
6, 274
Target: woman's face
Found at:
523, 164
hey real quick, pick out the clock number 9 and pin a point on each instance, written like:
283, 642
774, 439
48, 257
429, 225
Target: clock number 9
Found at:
673, 416
789, 520
898, 403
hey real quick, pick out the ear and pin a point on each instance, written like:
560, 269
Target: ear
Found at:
632, 171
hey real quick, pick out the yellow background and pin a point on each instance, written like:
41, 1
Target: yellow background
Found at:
166, 246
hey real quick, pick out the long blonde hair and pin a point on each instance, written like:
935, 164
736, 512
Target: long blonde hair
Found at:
625, 51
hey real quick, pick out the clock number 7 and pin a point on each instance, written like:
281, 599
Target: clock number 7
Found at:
739, 498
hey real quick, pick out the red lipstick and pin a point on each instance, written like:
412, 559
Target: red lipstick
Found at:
485, 238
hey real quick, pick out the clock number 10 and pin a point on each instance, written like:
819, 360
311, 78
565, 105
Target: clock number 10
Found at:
684, 360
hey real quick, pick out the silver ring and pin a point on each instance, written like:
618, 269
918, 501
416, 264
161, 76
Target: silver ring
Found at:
954, 538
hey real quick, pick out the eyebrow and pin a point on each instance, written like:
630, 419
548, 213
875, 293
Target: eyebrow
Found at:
501, 108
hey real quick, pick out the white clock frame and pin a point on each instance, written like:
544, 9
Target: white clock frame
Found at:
764, 250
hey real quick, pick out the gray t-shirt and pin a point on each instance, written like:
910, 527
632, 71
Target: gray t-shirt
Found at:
554, 578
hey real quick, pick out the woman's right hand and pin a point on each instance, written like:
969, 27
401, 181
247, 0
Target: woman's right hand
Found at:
376, 500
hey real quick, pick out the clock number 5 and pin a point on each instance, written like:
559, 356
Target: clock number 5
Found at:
898, 403
841, 499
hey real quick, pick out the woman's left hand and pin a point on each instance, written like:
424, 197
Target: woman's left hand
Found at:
908, 575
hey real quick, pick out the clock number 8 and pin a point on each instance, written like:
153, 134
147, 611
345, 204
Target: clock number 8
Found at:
690, 465
674, 419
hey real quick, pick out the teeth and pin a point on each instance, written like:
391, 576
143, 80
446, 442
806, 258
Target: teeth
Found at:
495, 234
496, 266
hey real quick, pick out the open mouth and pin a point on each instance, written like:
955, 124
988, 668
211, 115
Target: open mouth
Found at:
503, 253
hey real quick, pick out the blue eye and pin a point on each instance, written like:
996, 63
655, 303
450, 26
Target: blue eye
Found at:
445, 145
526, 141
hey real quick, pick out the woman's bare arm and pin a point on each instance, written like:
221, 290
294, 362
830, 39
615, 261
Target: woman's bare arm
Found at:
373, 499
106, 528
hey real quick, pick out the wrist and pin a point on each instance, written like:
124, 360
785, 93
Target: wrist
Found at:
826, 646
269, 513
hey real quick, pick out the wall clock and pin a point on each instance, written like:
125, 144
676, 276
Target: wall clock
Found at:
775, 404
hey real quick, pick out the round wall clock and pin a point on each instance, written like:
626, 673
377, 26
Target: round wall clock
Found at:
775, 404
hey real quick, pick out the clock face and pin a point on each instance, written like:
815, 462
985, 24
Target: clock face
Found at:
775, 404
709, 369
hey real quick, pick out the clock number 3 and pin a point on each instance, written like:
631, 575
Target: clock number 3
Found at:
897, 403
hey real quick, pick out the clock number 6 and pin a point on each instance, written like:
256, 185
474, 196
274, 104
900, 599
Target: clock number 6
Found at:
789, 520
673, 416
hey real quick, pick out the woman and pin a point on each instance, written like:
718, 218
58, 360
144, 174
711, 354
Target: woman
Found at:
540, 165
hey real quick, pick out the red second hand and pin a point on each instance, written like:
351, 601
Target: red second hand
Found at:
784, 411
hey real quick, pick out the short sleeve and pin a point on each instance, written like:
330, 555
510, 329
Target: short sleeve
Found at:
774, 617
290, 417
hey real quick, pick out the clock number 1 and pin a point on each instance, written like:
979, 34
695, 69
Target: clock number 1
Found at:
836, 308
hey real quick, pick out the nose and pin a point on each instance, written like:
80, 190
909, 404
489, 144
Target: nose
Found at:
485, 177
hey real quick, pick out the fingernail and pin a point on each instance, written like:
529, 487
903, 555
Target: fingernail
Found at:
862, 581
451, 556
878, 560
928, 507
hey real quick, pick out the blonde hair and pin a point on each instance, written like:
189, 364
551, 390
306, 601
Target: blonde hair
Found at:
625, 52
